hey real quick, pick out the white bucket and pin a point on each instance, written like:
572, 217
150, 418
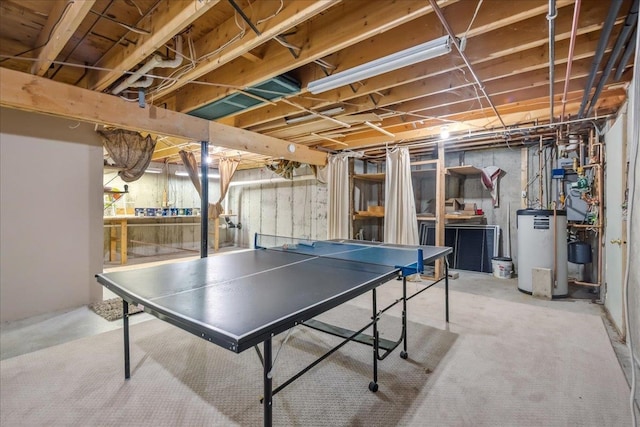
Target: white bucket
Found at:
502, 267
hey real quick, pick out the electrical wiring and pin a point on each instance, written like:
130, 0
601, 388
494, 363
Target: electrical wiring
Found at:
176, 75
272, 16
473, 18
53, 28
122, 24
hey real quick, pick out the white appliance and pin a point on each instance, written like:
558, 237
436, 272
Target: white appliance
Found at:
537, 231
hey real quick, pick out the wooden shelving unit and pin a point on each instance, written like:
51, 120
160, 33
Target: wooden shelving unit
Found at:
372, 222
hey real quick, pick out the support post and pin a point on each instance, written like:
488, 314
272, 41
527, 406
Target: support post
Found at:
440, 208
404, 316
373, 385
446, 288
204, 200
123, 240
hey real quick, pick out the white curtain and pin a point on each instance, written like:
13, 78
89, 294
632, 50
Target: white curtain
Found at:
338, 196
400, 222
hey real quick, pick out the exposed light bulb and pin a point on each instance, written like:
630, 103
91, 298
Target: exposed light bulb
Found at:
444, 132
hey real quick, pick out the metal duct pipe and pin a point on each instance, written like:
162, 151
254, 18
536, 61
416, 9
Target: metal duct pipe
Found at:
156, 61
204, 200
551, 17
602, 45
574, 31
275, 180
629, 25
631, 47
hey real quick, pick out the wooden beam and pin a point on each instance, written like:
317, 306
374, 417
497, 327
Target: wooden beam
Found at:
31, 93
341, 26
63, 21
438, 71
294, 13
518, 112
166, 21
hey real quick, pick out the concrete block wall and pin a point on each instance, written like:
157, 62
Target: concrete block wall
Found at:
509, 193
292, 208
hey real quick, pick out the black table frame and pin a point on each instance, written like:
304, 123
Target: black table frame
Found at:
266, 358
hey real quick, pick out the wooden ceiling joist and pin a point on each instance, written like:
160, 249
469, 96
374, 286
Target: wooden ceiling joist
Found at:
169, 19
63, 21
485, 64
290, 16
232, 46
342, 26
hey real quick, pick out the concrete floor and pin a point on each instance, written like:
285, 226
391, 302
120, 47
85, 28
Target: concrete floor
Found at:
44, 331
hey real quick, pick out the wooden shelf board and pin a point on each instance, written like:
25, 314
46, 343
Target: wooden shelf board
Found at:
464, 170
367, 216
450, 216
369, 176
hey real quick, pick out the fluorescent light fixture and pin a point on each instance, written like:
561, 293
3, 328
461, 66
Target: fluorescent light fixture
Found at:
153, 170
329, 112
413, 55
211, 175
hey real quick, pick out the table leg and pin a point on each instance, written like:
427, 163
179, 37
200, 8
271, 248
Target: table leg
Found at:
125, 328
404, 353
268, 395
373, 385
446, 288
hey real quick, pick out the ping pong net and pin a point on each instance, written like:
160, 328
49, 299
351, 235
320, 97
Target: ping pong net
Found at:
408, 259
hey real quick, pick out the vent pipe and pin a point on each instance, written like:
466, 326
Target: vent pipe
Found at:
156, 61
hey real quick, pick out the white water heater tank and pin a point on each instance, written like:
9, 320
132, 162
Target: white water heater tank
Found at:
538, 231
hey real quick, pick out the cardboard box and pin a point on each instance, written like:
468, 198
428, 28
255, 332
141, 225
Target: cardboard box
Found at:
453, 205
470, 208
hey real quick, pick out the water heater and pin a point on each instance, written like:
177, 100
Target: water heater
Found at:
539, 231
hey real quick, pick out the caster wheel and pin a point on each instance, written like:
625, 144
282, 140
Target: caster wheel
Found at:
404, 354
373, 386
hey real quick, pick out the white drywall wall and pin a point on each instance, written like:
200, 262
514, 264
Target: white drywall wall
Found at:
50, 214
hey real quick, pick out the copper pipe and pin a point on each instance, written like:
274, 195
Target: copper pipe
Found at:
597, 162
540, 192
586, 226
600, 215
553, 13
577, 282
555, 246
574, 30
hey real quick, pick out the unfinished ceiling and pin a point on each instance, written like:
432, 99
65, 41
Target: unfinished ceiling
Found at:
248, 64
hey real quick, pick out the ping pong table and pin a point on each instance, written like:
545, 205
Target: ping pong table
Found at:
242, 299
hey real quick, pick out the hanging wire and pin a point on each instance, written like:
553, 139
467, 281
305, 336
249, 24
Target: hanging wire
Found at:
53, 28
272, 16
473, 19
